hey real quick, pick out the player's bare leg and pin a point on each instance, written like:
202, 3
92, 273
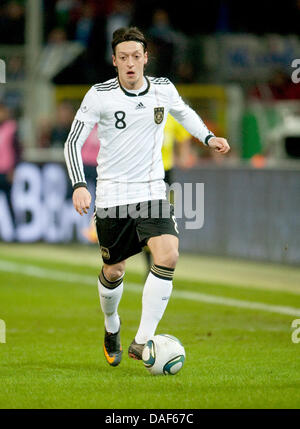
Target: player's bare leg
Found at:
157, 289
164, 249
110, 286
115, 271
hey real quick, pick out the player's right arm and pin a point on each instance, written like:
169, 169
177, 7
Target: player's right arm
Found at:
192, 122
86, 117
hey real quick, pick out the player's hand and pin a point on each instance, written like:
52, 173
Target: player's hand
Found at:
81, 200
219, 144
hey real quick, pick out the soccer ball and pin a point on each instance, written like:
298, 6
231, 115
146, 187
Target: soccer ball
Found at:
163, 354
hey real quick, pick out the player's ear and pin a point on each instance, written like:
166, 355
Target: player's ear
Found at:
114, 60
145, 58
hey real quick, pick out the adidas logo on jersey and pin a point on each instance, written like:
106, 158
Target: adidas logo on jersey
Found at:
140, 106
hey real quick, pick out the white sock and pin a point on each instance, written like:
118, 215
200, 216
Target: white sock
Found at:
109, 301
156, 295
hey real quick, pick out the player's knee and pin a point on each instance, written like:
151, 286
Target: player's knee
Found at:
169, 258
173, 257
113, 273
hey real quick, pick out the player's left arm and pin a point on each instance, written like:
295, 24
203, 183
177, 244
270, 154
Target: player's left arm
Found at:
192, 122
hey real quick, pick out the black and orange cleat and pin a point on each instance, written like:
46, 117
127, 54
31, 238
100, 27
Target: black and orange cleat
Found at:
112, 348
135, 350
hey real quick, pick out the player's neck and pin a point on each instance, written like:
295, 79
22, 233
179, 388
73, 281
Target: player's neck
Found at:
133, 85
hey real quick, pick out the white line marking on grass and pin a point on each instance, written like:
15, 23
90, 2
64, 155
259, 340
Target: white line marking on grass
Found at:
64, 276
46, 273
230, 302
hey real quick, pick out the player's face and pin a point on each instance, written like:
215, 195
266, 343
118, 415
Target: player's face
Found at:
130, 60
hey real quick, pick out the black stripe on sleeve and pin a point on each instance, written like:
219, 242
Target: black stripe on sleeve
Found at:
79, 172
69, 155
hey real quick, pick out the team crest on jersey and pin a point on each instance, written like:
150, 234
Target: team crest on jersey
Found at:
104, 252
158, 114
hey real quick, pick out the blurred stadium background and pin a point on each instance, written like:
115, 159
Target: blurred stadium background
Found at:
233, 68
233, 63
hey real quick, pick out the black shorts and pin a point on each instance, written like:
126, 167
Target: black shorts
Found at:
124, 230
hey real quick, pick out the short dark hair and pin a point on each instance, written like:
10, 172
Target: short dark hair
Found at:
126, 34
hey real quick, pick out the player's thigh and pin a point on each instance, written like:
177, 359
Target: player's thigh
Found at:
160, 232
164, 249
118, 238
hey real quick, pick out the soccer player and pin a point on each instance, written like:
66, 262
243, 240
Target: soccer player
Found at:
131, 111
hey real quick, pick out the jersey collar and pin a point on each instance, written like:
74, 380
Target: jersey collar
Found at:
130, 94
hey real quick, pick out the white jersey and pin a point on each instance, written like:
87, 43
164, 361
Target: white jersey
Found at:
131, 131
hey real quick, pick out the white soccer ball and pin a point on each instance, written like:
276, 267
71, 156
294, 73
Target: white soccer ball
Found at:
163, 354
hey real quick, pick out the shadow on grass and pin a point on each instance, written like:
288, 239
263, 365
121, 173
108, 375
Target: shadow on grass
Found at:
126, 369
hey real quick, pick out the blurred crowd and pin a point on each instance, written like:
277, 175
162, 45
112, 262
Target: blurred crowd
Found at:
279, 87
10, 149
92, 22
12, 22
53, 133
168, 26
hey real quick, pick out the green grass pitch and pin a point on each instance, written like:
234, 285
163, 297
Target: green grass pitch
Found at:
237, 356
